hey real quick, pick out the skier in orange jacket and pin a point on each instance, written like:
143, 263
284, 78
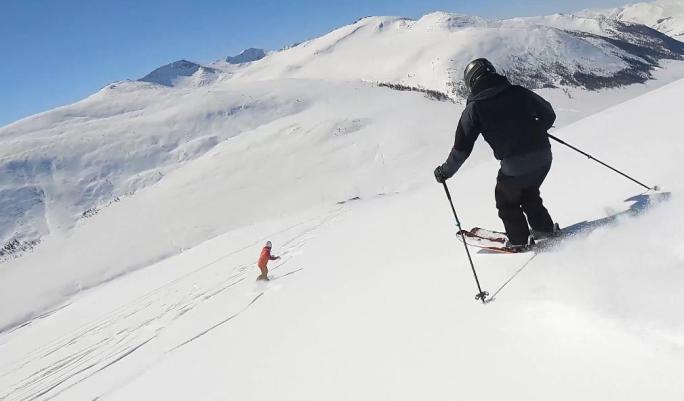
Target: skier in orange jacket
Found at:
263, 261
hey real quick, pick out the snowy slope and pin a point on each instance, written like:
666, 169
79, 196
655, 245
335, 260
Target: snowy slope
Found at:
231, 157
193, 151
374, 299
667, 16
151, 199
62, 166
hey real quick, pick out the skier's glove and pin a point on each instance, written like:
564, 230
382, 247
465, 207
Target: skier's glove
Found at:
439, 175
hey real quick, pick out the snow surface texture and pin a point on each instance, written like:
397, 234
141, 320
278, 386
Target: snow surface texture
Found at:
373, 298
667, 16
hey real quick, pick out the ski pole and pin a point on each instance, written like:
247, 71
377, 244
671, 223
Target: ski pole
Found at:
482, 295
655, 188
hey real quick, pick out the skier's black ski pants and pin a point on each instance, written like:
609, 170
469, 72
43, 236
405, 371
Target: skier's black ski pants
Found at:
517, 197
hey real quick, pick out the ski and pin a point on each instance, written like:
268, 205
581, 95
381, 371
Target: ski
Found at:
495, 241
489, 240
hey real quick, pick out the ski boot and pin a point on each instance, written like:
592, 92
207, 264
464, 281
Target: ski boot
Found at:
263, 277
542, 235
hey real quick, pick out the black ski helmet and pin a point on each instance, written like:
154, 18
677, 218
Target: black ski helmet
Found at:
476, 70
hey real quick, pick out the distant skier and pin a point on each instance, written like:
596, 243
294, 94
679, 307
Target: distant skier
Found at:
514, 121
264, 258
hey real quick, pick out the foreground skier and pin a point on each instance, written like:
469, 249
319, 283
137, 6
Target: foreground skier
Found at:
264, 258
514, 121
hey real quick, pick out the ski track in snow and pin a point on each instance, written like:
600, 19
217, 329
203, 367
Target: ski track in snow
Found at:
89, 350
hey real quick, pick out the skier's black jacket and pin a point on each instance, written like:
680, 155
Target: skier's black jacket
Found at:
512, 119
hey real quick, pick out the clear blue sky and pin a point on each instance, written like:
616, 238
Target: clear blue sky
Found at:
55, 52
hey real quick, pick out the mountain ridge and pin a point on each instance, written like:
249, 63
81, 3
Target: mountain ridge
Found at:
666, 16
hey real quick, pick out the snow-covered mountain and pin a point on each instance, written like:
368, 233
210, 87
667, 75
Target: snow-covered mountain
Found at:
146, 204
131, 133
431, 52
182, 72
667, 16
247, 56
